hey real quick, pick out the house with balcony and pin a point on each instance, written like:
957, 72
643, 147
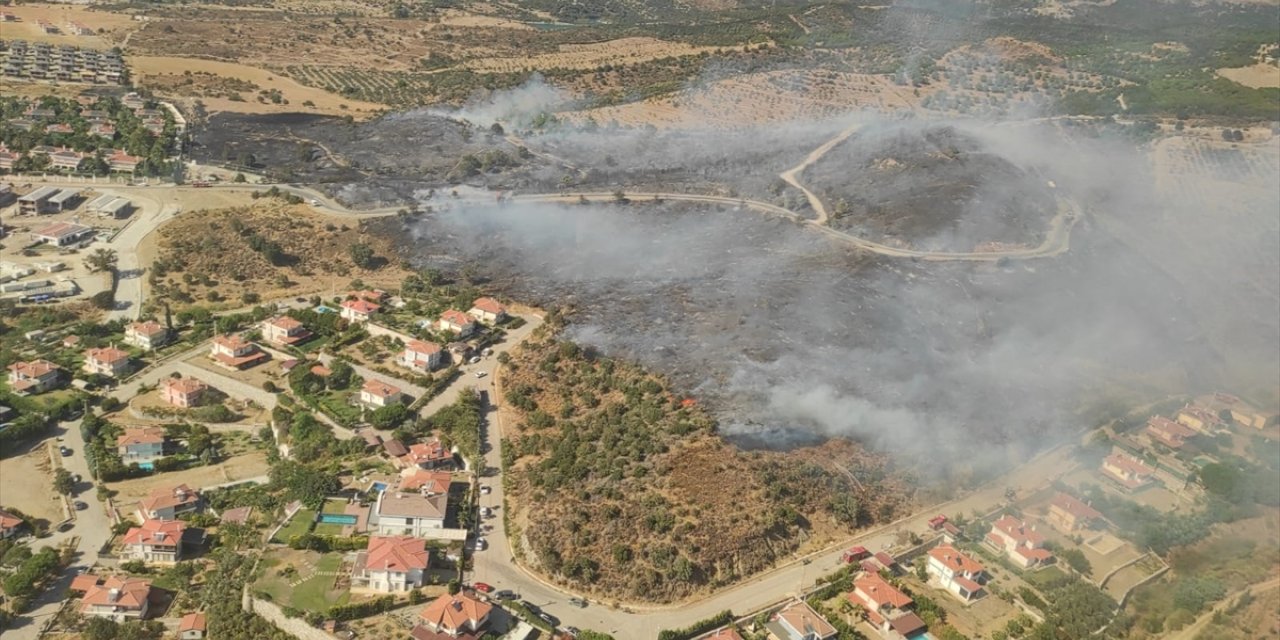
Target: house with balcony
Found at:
429, 454
391, 564
399, 513
234, 352
148, 335
167, 503
37, 376
116, 598
421, 356
9, 525
885, 607
192, 627
1019, 541
107, 361
155, 542
488, 310
183, 393
1069, 514
1163, 431
141, 444
378, 394
457, 322
284, 331
957, 572
358, 310
1128, 472
425, 482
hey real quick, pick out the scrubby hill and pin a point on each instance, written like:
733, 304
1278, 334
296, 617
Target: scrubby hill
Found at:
623, 489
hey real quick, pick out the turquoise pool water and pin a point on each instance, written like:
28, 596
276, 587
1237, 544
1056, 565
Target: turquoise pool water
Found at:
147, 466
337, 518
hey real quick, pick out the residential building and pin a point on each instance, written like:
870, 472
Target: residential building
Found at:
425, 482
8, 158
455, 615
103, 130
488, 310
37, 376
184, 393
284, 331
724, 633
192, 627
394, 448
409, 514
956, 572
376, 393
457, 322
107, 361
141, 444
9, 525
66, 159
147, 335
798, 621
61, 234
168, 503
429, 454
122, 162
1161, 430
234, 352
883, 604
117, 599
156, 541
422, 356
1069, 514
391, 564
1019, 541
1201, 419
1127, 471
358, 310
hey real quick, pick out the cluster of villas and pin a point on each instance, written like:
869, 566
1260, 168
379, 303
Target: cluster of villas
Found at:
1164, 451
65, 63
38, 376
161, 539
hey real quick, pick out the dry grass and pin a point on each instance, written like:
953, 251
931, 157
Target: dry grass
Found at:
249, 465
1257, 76
590, 56
112, 26
212, 252
164, 74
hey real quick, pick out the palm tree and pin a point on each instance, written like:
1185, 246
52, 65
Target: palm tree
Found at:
101, 260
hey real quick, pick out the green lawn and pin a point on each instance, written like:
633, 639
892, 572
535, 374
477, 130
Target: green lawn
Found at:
335, 402
312, 594
1042, 578
328, 529
298, 525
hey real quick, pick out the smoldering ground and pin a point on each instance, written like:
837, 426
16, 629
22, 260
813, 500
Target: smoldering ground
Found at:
790, 336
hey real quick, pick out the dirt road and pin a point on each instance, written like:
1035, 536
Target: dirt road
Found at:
792, 176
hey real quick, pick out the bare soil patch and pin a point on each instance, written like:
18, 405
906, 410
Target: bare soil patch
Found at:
1257, 76
26, 485
108, 27
590, 55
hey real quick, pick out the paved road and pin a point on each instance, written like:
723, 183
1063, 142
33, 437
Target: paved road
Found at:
497, 567
92, 528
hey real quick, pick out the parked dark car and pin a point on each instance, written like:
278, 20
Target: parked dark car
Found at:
549, 619
578, 602
64, 451
506, 594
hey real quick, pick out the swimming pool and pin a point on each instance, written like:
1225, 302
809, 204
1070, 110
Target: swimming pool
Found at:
147, 466
337, 518
379, 486
324, 309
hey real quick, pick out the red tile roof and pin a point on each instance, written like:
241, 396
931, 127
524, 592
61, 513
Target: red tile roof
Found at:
185, 386
140, 435
285, 323
156, 532
1072, 505
172, 497
34, 369
380, 389
396, 553
451, 612
456, 318
953, 559
124, 593
84, 582
727, 633
1019, 531
803, 618
879, 593
361, 306
148, 328
8, 520
192, 622
488, 305
419, 346
106, 355
432, 481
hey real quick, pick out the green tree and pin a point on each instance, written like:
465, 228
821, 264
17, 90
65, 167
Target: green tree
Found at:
362, 255
105, 300
63, 483
102, 259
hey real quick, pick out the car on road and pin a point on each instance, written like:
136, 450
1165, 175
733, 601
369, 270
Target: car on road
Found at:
483, 587
481, 544
486, 512
506, 594
81, 506
486, 489
474, 360
573, 631
481, 374
578, 602
549, 619
66, 453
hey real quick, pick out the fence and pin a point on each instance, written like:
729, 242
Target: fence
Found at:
271, 612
